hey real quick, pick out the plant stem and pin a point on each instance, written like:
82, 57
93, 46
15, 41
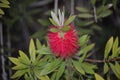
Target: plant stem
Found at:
95, 14
99, 61
9, 47
4, 74
55, 6
103, 61
69, 76
72, 7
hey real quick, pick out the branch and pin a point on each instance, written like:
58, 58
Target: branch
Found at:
98, 61
103, 61
56, 6
4, 74
95, 14
40, 3
72, 7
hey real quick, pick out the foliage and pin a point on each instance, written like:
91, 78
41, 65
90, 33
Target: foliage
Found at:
89, 19
42, 62
3, 4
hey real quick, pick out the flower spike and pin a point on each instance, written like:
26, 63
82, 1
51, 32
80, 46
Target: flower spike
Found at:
62, 36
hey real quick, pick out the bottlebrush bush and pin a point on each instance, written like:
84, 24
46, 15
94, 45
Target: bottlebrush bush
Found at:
66, 57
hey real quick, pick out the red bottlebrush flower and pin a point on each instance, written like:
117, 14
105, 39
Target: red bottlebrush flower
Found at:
63, 41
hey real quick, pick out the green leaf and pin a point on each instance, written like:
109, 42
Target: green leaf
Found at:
117, 67
93, 2
82, 9
32, 50
20, 67
23, 58
65, 28
88, 48
5, 1
50, 67
78, 67
53, 76
106, 68
114, 48
105, 14
43, 22
118, 51
84, 23
19, 73
108, 47
88, 68
2, 12
26, 77
60, 71
98, 77
83, 40
38, 44
45, 77
14, 60
4, 5
69, 20
54, 30
85, 50
115, 70
53, 22
85, 15
44, 50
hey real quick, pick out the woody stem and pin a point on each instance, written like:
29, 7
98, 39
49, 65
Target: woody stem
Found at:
69, 76
99, 61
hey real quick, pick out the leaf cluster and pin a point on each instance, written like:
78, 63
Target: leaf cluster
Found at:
3, 4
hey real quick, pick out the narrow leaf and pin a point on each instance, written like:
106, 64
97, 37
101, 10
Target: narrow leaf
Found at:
98, 77
19, 73
115, 70
88, 68
84, 40
53, 22
78, 67
117, 67
108, 47
82, 9
2, 12
114, 48
37, 73
4, 5
69, 20
105, 14
14, 60
20, 67
5, 1
32, 50
38, 44
60, 71
88, 48
23, 58
65, 28
54, 30
50, 67
44, 50
85, 15
106, 68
